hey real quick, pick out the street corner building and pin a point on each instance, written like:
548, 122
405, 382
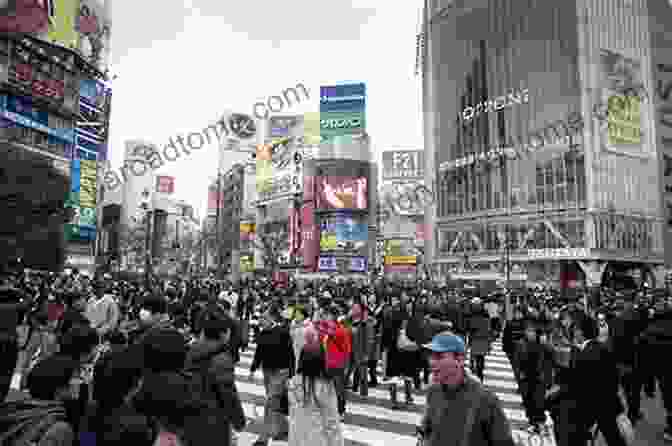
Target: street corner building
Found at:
588, 204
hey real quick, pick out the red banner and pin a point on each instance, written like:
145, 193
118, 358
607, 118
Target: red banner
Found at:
310, 237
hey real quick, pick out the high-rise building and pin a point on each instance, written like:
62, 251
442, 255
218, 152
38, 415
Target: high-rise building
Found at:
543, 139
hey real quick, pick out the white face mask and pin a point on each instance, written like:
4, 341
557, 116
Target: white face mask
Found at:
145, 315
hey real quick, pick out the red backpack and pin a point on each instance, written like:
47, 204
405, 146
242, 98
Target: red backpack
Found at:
337, 347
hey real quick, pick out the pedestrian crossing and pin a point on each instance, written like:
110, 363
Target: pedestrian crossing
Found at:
371, 420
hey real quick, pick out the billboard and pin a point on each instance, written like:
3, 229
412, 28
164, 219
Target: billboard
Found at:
26, 16
337, 264
334, 124
343, 98
247, 264
343, 232
279, 181
342, 110
341, 192
624, 123
20, 111
403, 165
400, 252
63, 22
165, 184
95, 99
82, 199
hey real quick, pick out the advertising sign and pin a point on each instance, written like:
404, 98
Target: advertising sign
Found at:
343, 232
246, 264
400, 252
87, 184
310, 235
403, 269
311, 128
341, 192
63, 22
403, 165
95, 99
333, 124
327, 264
358, 264
284, 126
264, 167
343, 98
26, 16
620, 75
82, 200
165, 184
247, 231
20, 111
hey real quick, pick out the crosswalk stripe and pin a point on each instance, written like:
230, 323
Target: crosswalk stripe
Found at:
371, 420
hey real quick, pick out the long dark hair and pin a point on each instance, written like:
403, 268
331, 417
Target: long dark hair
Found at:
312, 366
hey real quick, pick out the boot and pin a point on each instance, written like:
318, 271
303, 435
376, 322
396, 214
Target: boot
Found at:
393, 396
408, 391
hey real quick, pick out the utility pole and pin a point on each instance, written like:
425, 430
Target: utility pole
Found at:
148, 236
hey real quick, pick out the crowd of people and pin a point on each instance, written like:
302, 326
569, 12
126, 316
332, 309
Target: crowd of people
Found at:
116, 362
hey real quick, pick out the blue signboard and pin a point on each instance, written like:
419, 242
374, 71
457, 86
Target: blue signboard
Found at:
94, 109
327, 264
343, 98
358, 264
21, 112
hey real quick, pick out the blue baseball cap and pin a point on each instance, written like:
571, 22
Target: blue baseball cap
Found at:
446, 342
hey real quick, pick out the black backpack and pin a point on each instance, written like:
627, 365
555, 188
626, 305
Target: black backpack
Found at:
24, 423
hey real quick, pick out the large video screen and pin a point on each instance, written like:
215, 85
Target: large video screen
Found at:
343, 232
341, 192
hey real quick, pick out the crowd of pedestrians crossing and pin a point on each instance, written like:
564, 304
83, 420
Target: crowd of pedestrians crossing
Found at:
115, 362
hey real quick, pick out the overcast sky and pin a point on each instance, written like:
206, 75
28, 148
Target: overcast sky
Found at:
181, 64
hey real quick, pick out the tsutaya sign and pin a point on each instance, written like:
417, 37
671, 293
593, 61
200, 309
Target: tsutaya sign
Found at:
496, 104
340, 123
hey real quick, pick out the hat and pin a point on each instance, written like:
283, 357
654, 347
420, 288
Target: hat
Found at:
446, 342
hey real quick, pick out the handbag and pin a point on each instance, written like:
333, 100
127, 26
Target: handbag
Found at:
404, 344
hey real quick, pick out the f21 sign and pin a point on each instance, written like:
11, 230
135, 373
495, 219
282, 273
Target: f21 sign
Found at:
403, 164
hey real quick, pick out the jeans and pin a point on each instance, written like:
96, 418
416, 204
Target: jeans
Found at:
338, 376
275, 422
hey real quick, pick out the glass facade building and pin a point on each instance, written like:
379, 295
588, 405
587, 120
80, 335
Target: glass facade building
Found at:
530, 171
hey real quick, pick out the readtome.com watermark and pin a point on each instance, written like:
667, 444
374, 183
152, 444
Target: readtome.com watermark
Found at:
149, 158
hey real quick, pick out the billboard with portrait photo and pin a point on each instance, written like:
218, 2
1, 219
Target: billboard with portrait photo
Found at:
344, 232
342, 192
26, 16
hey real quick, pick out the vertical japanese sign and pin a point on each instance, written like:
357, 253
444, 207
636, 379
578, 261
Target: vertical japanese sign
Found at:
82, 200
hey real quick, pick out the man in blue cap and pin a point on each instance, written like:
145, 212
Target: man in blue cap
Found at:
459, 409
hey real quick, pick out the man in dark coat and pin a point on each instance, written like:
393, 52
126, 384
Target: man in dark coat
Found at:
656, 344
210, 357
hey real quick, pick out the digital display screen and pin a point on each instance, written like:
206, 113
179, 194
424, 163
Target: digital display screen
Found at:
328, 264
343, 232
341, 192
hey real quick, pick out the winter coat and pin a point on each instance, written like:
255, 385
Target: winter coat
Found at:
363, 341
444, 420
213, 360
479, 333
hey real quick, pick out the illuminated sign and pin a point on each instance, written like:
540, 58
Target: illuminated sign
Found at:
21, 112
340, 123
87, 184
558, 253
328, 264
400, 260
496, 104
403, 164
